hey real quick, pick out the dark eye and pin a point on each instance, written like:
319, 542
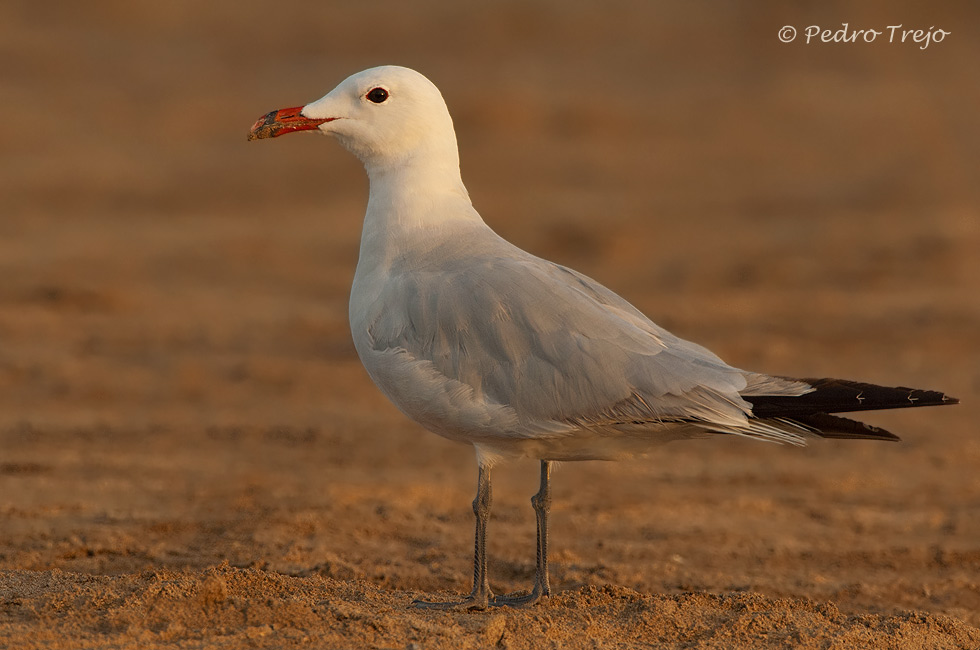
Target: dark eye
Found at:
377, 95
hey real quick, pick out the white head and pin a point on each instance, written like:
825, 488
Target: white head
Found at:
389, 117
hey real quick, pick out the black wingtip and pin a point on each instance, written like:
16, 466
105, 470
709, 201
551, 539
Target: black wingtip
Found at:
838, 428
813, 410
843, 396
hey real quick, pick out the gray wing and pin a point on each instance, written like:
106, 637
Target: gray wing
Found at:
554, 345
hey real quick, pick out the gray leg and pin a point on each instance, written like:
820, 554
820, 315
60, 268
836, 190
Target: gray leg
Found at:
481, 595
542, 506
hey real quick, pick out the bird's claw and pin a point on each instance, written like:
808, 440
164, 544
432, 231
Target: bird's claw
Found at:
471, 602
481, 602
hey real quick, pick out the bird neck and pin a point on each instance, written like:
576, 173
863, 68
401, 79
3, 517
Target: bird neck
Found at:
414, 204
418, 192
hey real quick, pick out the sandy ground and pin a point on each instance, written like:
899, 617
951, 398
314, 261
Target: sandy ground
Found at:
191, 455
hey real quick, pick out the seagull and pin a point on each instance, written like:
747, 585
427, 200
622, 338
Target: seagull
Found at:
483, 343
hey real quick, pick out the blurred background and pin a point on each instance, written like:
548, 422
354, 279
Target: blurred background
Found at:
166, 286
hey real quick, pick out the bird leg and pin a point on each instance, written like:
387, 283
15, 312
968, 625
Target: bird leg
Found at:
481, 596
542, 506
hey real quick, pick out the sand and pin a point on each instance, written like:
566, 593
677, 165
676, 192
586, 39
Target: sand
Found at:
192, 457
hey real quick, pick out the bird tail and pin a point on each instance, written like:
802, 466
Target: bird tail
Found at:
813, 410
